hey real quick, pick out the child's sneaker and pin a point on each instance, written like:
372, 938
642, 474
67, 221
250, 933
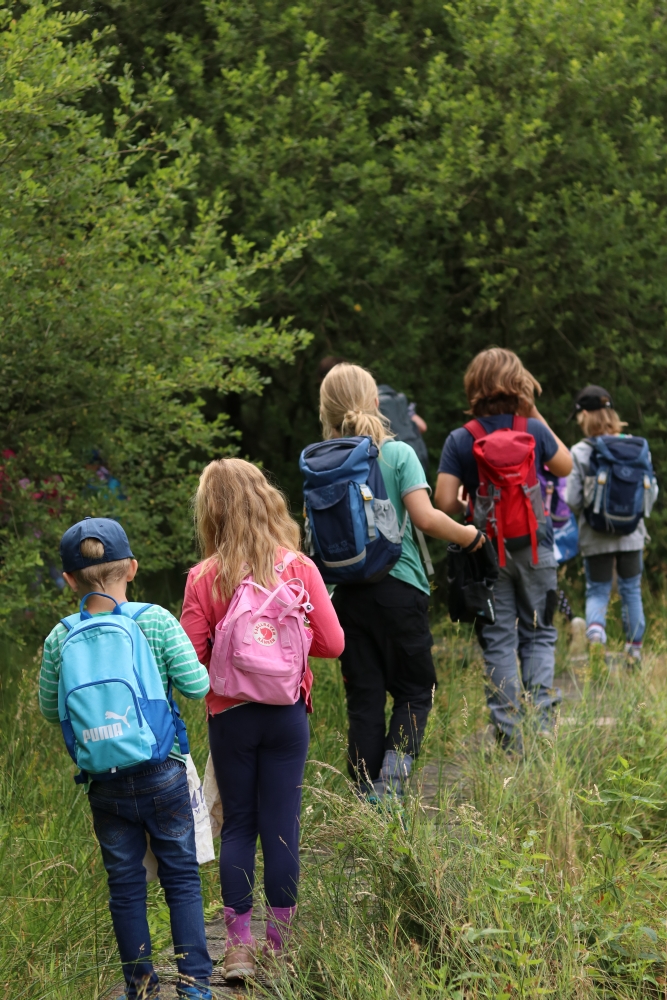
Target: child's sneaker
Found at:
596, 635
193, 992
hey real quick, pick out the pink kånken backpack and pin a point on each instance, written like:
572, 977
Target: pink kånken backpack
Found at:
260, 649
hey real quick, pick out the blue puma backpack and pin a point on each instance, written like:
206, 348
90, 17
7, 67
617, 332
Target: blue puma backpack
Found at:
352, 531
624, 484
112, 705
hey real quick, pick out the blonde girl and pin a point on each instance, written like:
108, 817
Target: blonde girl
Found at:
595, 413
387, 636
258, 751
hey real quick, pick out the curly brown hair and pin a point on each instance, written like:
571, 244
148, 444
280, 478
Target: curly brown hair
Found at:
496, 382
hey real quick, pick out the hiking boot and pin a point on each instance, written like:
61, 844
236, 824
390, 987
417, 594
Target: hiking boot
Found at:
239, 962
633, 655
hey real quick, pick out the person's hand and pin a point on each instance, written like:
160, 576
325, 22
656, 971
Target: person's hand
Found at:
419, 423
471, 533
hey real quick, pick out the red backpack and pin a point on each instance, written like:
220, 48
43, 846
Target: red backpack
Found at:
508, 505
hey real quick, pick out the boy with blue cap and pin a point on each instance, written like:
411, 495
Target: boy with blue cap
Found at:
152, 796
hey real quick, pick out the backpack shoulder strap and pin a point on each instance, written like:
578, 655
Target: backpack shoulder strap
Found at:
475, 428
283, 563
132, 609
520, 423
70, 621
599, 448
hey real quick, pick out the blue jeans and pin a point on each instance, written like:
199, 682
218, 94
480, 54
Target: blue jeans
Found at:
259, 754
599, 579
156, 800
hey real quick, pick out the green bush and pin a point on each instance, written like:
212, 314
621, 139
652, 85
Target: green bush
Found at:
497, 170
126, 313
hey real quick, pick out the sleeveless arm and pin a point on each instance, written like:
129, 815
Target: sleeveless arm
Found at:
328, 636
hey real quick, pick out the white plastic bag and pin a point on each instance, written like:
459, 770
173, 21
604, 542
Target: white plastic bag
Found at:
203, 836
212, 798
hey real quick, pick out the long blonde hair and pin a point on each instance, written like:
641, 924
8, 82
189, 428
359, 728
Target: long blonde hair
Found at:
496, 382
348, 405
241, 520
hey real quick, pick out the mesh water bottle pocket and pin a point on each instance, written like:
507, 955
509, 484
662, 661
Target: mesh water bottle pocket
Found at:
534, 494
483, 511
386, 520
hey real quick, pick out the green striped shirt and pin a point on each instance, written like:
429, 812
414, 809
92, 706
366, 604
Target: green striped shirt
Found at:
173, 652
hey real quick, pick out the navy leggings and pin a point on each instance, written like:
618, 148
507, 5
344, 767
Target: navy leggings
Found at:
259, 753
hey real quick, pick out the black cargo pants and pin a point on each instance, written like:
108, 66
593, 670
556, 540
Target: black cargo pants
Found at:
387, 649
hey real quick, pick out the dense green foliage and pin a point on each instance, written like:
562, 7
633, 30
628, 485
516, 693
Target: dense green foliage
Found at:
497, 169
126, 314
496, 172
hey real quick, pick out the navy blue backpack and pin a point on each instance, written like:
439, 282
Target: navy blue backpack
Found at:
352, 531
622, 487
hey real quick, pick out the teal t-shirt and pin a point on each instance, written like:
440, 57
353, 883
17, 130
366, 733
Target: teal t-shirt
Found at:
402, 473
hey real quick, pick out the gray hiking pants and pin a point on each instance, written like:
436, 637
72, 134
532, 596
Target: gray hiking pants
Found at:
526, 598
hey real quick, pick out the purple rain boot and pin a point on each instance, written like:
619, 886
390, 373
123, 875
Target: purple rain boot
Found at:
238, 928
278, 928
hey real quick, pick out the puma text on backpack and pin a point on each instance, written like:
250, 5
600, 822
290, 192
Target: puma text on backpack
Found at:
508, 505
113, 709
352, 530
260, 649
621, 487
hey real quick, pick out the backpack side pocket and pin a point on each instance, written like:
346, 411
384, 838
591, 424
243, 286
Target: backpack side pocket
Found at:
386, 520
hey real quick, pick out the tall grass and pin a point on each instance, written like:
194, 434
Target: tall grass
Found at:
506, 877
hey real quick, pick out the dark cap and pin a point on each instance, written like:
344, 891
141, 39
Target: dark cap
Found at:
108, 532
593, 397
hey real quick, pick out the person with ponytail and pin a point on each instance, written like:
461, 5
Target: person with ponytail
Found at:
387, 636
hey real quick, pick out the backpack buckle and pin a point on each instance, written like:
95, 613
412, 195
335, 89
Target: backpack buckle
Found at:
367, 497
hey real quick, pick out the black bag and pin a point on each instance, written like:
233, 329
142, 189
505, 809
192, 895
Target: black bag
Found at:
471, 577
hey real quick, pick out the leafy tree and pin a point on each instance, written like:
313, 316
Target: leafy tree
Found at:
497, 170
127, 314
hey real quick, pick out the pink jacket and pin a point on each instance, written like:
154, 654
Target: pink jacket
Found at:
201, 613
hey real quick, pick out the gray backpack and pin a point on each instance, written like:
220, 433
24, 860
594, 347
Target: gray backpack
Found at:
394, 406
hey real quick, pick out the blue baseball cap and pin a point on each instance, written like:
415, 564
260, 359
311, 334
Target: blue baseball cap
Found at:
109, 533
